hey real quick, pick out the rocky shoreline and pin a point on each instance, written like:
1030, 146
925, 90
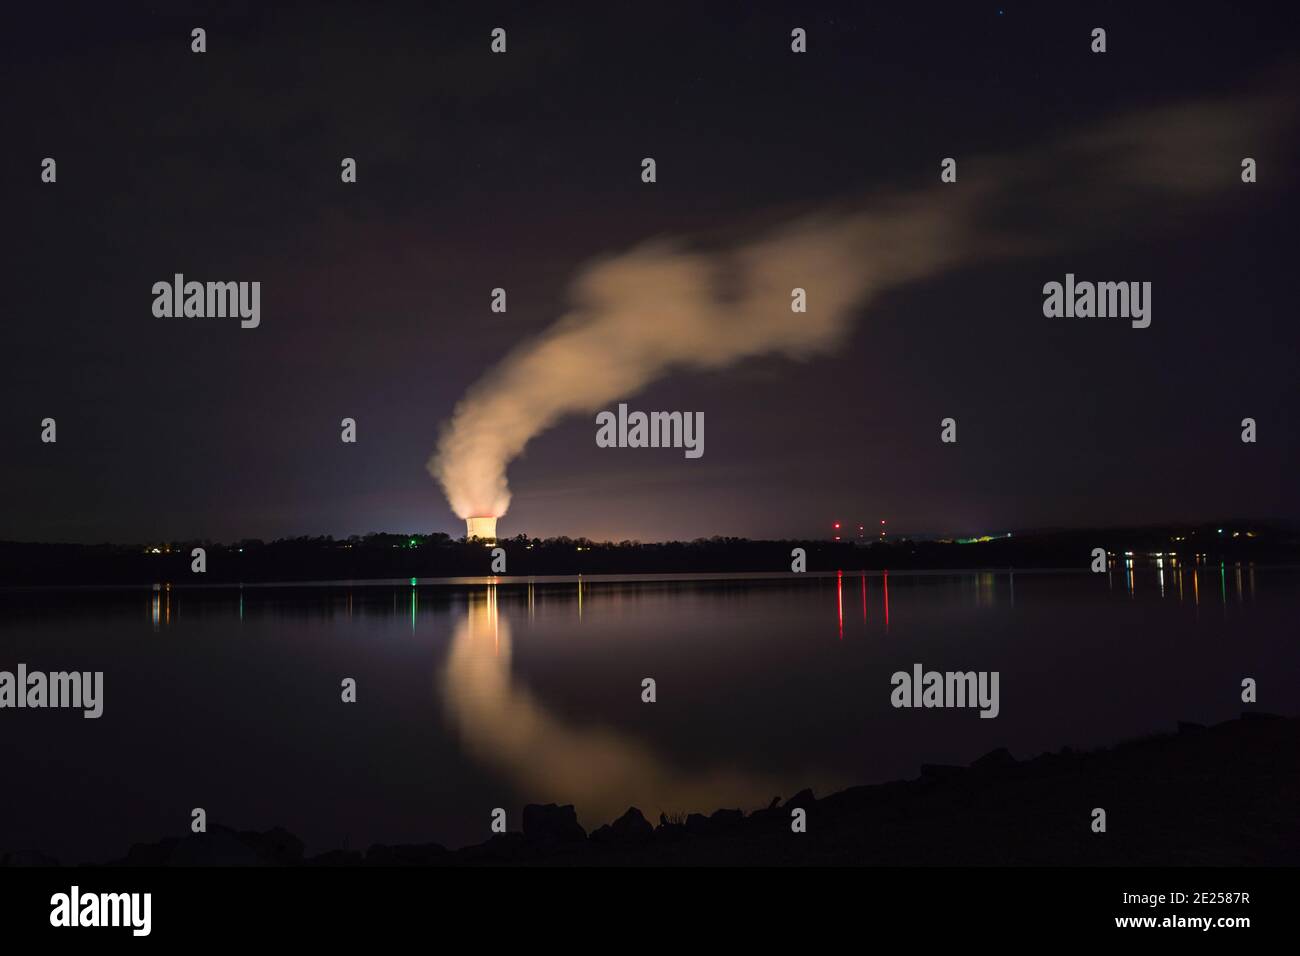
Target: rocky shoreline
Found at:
1224, 795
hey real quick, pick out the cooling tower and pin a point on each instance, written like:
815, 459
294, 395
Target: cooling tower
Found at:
484, 528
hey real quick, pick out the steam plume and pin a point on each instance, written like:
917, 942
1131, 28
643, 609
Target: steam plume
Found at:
665, 306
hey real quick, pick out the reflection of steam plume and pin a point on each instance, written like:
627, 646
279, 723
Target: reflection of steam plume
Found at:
662, 306
600, 770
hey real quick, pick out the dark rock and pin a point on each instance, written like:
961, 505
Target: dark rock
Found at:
669, 832
994, 759
415, 854
27, 858
772, 812
725, 819
629, 829
502, 848
149, 854
801, 799
769, 815
336, 858
939, 771
1187, 727
552, 824
275, 846
219, 846
697, 823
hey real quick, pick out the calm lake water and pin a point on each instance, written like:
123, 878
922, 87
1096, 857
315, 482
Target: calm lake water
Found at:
472, 696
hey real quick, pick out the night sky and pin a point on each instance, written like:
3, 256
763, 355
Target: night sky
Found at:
478, 170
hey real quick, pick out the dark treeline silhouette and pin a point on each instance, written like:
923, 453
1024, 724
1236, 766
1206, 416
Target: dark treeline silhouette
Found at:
388, 556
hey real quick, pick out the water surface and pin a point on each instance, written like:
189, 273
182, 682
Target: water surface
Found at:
476, 695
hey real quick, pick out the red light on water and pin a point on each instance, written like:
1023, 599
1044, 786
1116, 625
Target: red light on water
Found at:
886, 602
839, 600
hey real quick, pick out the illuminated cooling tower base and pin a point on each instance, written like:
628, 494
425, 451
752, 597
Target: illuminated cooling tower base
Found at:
483, 528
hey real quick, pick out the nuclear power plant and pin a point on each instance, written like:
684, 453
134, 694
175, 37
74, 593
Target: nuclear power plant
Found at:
484, 528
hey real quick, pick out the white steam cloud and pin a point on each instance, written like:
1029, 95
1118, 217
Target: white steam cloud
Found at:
664, 307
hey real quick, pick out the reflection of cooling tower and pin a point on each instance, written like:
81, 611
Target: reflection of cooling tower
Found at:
484, 527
